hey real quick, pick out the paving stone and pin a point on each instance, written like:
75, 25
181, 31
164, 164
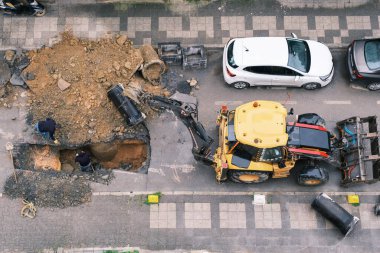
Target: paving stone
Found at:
197, 215
302, 216
232, 215
368, 219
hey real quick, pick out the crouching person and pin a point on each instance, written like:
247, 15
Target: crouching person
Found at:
83, 158
47, 129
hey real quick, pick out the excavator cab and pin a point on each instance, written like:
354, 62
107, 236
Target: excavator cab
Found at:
256, 142
251, 139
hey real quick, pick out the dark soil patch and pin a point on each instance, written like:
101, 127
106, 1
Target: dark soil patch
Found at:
48, 190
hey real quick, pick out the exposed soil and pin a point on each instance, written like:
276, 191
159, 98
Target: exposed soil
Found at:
128, 155
83, 111
48, 190
70, 85
45, 158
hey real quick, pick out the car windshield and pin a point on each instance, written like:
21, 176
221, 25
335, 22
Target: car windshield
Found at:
230, 55
299, 55
372, 54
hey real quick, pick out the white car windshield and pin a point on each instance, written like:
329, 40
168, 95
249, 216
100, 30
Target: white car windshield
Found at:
299, 55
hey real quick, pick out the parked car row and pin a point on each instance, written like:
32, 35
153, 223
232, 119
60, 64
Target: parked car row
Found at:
293, 62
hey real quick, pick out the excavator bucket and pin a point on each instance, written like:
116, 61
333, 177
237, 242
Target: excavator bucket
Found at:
358, 146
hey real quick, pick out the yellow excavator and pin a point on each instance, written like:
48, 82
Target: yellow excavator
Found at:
257, 143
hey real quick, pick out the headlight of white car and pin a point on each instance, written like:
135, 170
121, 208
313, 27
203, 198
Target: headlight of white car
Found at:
326, 77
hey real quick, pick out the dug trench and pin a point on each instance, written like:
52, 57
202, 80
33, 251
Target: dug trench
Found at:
48, 175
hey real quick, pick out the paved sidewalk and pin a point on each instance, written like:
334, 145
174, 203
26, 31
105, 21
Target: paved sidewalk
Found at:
211, 24
216, 223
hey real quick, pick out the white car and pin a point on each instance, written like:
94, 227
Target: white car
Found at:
277, 61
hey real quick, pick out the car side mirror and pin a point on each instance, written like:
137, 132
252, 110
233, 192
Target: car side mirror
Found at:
294, 35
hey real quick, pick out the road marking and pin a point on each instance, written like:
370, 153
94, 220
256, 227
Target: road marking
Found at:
220, 103
337, 102
233, 103
184, 168
278, 88
290, 102
156, 170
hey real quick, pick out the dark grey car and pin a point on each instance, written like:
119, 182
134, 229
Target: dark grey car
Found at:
363, 61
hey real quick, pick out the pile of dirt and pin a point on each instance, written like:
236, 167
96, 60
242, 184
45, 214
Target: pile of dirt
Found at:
71, 83
48, 190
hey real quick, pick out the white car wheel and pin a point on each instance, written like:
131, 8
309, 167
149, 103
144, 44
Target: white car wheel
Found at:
240, 85
311, 86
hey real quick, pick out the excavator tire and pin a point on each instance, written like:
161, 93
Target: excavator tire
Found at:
313, 175
247, 177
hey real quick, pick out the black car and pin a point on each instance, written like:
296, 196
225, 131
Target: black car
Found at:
363, 61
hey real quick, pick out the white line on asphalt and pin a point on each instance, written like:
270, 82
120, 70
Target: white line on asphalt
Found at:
290, 102
178, 193
278, 88
337, 102
220, 103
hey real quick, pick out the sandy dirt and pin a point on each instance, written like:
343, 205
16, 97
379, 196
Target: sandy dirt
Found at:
83, 111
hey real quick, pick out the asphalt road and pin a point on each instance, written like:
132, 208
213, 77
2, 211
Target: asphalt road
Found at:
173, 168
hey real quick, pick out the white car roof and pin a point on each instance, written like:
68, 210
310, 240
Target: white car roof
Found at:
263, 51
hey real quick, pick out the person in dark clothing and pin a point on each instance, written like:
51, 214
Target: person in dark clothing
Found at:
47, 128
83, 158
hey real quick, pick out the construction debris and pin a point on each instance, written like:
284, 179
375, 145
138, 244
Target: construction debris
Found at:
63, 85
192, 82
153, 67
9, 55
69, 82
83, 111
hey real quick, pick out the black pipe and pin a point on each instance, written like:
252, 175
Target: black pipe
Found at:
334, 213
125, 106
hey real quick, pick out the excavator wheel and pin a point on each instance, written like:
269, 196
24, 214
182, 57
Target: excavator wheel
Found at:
313, 175
247, 177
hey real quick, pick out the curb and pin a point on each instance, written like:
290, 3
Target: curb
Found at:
193, 193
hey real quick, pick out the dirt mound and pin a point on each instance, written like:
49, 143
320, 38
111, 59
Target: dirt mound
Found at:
71, 82
48, 190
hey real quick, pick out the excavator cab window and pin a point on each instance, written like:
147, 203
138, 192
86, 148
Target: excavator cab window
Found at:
258, 154
271, 154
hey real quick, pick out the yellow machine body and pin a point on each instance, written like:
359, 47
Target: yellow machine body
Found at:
258, 124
